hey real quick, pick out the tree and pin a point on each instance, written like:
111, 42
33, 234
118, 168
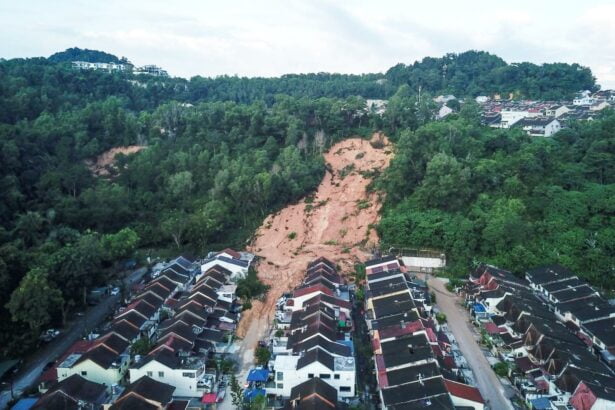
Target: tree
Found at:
34, 301
236, 392
262, 356
141, 347
446, 184
119, 245
175, 225
441, 317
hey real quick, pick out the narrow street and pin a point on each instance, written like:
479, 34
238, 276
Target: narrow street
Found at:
92, 318
457, 318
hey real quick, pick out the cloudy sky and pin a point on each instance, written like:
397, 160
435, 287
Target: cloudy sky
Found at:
269, 38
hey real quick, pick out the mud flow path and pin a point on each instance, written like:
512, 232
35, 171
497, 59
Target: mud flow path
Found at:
336, 222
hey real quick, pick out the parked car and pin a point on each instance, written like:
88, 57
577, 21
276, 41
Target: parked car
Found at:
49, 334
115, 291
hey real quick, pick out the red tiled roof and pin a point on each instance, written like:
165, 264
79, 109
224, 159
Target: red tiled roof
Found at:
492, 328
395, 331
449, 362
232, 252
464, 391
431, 335
312, 289
380, 366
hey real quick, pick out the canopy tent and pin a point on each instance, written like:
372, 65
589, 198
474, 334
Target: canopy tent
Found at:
209, 398
251, 394
258, 375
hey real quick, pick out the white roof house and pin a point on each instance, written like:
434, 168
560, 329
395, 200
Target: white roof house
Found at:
290, 371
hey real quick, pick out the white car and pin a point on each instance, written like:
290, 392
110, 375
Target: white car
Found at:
115, 291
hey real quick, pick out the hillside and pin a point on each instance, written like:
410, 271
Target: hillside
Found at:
224, 153
78, 54
336, 221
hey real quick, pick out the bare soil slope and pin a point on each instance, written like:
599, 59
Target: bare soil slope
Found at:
336, 224
105, 161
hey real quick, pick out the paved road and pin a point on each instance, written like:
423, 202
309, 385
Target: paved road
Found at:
92, 318
457, 318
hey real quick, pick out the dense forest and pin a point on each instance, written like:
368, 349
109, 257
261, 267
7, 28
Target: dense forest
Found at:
503, 197
209, 174
220, 153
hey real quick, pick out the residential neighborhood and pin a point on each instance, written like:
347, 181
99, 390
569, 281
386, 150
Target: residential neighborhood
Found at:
160, 345
553, 332
537, 118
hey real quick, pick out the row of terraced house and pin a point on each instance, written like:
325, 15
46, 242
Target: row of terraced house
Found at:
186, 314
416, 360
556, 332
313, 358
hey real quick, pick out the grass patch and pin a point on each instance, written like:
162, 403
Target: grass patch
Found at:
331, 242
346, 171
363, 204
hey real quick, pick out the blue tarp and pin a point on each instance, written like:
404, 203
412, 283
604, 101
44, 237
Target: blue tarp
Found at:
258, 375
479, 308
541, 403
251, 394
24, 404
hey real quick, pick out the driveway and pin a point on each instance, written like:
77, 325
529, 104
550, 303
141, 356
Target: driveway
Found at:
27, 376
458, 322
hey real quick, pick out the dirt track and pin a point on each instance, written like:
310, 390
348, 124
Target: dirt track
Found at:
336, 223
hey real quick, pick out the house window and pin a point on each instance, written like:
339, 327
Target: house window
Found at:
188, 374
160, 374
280, 386
84, 373
279, 376
310, 375
150, 374
324, 376
336, 376
344, 388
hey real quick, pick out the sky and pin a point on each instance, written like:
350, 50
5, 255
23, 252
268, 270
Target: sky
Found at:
270, 38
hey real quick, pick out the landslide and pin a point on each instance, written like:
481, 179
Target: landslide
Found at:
336, 222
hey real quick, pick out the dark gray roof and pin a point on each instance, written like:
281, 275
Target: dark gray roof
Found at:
406, 349
411, 373
150, 389
392, 305
338, 349
77, 388
414, 391
548, 274
377, 261
314, 387
603, 330
593, 307
316, 355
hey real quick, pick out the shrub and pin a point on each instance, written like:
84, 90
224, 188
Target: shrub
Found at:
262, 356
292, 235
362, 204
250, 287
441, 317
501, 369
